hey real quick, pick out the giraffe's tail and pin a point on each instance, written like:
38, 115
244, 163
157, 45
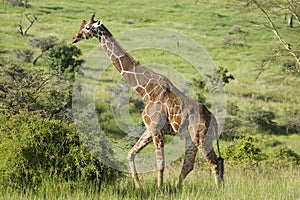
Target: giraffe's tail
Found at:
220, 164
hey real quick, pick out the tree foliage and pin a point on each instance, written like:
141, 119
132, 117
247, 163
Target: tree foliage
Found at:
65, 59
285, 156
34, 90
271, 10
44, 44
200, 86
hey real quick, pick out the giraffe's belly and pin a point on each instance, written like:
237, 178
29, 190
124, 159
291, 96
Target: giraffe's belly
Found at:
170, 129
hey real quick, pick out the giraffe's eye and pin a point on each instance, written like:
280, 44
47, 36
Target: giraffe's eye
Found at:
87, 28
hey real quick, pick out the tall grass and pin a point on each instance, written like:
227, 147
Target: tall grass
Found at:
240, 183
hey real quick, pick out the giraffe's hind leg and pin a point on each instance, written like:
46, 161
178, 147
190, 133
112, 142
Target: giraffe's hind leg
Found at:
144, 140
189, 159
205, 145
202, 135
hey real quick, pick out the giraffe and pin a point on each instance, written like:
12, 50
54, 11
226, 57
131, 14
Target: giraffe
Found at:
167, 110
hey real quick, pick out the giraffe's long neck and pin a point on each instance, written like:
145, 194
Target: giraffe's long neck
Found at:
151, 86
130, 69
121, 60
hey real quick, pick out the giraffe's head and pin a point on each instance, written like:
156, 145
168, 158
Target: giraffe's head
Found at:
88, 29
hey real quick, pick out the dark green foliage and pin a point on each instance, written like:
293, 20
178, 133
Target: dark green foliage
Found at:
65, 59
225, 75
244, 150
285, 156
34, 90
262, 119
32, 144
32, 148
200, 85
200, 88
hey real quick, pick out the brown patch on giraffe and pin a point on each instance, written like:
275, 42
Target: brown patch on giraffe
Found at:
140, 90
172, 95
175, 127
147, 119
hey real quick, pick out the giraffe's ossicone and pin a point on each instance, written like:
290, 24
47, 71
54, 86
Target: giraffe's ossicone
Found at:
167, 110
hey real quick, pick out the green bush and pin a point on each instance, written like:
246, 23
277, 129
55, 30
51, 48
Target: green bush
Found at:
34, 90
32, 148
285, 156
244, 150
65, 59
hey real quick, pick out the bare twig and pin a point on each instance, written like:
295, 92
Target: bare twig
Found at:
31, 22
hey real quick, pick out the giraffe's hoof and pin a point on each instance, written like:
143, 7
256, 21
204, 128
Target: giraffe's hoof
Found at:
219, 182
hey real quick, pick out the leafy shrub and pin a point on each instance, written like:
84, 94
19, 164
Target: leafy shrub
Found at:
285, 156
34, 90
24, 55
65, 59
262, 119
44, 44
244, 150
221, 76
32, 147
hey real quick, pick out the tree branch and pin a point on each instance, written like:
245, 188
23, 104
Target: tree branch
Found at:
286, 45
31, 22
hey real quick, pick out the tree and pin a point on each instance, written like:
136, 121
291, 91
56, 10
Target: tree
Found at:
34, 90
65, 59
44, 44
287, 7
200, 87
30, 20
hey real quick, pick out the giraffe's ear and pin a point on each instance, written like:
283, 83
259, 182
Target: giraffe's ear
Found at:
91, 20
99, 23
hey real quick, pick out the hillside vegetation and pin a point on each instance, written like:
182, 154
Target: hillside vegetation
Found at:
42, 155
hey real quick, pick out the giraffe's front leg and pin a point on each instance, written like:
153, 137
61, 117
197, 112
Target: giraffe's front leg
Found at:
155, 119
145, 139
158, 141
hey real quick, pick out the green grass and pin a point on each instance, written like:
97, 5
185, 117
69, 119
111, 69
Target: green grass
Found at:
240, 183
209, 23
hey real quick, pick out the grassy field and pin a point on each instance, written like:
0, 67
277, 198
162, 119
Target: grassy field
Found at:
212, 24
241, 183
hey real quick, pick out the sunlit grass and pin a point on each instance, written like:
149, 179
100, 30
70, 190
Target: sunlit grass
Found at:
240, 183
